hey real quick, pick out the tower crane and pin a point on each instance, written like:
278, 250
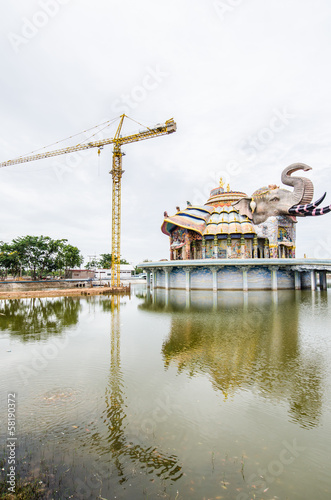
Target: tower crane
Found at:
160, 129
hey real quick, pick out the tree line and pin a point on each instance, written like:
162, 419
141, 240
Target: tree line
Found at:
103, 262
37, 256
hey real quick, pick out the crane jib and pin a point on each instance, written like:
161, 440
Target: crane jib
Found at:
160, 129
168, 128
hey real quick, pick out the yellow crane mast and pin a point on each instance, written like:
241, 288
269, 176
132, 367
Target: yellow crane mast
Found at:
161, 129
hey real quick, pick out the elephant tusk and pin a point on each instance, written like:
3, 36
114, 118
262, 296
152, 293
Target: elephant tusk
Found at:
320, 211
314, 212
309, 206
304, 209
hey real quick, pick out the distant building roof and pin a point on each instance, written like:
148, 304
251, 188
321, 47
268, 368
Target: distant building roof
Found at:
123, 267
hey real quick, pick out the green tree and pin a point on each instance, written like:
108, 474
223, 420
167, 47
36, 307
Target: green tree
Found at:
105, 261
68, 257
9, 260
124, 261
92, 264
38, 253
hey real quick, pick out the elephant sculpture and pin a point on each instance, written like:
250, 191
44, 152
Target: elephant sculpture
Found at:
271, 200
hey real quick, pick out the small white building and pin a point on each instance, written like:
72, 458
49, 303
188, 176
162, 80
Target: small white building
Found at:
105, 274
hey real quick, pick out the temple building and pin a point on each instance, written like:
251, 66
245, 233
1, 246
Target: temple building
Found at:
217, 230
240, 242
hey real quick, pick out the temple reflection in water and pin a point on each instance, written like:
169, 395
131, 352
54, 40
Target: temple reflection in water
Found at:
156, 390
243, 341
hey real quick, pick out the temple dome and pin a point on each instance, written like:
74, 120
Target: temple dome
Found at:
219, 197
226, 220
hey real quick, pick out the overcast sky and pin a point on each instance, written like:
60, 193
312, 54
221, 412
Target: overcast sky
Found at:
247, 82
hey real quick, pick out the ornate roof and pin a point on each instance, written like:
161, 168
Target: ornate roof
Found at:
209, 220
192, 217
227, 220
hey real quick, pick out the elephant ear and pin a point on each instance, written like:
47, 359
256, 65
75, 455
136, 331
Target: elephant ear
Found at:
243, 207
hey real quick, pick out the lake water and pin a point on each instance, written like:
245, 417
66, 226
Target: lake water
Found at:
179, 396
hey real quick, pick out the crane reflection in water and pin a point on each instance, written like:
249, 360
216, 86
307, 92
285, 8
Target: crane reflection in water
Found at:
115, 447
93, 435
122, 445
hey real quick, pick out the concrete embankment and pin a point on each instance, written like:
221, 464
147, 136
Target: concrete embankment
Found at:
55, 288
25, 285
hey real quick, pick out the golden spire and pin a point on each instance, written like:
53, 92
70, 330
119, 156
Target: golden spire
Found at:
228, 188
221, 183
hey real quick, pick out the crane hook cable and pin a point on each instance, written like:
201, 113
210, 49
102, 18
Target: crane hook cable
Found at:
145, 126
108, 122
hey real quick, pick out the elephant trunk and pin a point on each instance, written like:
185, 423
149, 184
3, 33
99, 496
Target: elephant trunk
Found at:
303, 188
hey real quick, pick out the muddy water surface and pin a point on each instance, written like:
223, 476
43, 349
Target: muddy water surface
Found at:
170, 396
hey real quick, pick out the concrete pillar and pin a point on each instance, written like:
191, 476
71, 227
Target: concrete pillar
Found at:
148, 274
228, 247
313, 279
154, 278
274, 278
323, 280
188, 279
214, 271
215, 248
167, 278
297, 280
